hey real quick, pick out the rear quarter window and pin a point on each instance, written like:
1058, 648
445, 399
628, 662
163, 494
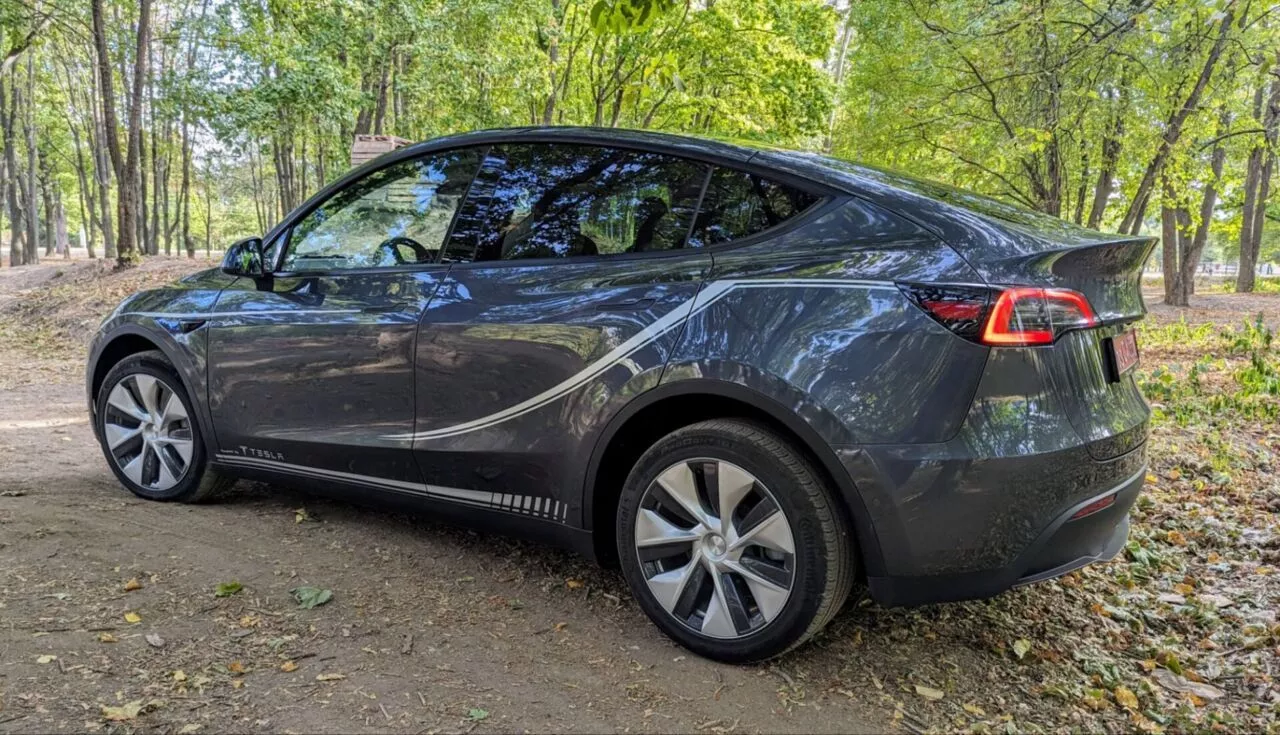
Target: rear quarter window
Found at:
740, 204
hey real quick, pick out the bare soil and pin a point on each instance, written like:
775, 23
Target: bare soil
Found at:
431, 628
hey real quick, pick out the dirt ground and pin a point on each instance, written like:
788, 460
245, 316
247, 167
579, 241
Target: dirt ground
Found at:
430, 628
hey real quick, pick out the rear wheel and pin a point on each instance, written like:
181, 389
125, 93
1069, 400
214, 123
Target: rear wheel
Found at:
149, 433
731, 542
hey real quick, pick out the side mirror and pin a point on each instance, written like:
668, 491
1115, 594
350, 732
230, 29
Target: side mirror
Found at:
244, 258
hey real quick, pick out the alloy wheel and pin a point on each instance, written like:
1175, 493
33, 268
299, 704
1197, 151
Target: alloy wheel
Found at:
148, 432
715, 548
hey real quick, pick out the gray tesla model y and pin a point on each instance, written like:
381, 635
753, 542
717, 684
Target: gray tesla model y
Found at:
752, 378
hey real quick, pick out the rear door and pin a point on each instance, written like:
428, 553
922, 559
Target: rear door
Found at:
569, 284
311, 370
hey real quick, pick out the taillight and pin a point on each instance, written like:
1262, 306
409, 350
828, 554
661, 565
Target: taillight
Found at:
1003, 317
1036, 316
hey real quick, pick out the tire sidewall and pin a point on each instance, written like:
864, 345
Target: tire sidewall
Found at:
156, 366
810, 557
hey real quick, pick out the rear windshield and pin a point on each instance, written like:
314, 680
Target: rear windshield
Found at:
984, 205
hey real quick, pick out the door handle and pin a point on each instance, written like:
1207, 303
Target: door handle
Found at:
632, 305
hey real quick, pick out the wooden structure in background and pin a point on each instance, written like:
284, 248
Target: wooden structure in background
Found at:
365, 148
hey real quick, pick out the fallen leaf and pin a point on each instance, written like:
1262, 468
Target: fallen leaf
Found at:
974, 710
235, 667
249, 621
309, 597
1218, 601
227, 589
107, 638
132, 617
154, 640
929, 693
237, 683
573, 584
46, 659
179, 675
1182, 685
330, 677
132, 585
300, 515
288, 666
124, 712
1126, 699
1183, 588
191, 728
1021, 648
1176, 538
475, 714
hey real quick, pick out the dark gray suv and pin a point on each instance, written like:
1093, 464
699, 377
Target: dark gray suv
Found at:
752, 378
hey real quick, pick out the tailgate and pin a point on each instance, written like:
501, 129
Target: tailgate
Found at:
1106, 409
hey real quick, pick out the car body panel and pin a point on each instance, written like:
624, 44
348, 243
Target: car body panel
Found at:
318, 371
519, 364
490, 391
164, 317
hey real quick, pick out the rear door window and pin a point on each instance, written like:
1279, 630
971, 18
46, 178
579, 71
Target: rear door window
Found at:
564, 201
739, 204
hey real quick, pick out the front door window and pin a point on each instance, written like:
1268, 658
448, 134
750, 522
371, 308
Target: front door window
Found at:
396, 216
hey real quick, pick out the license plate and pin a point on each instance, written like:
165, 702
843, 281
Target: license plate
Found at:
1124, 352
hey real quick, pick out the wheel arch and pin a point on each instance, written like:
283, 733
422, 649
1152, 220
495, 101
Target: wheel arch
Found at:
132, 338
652, 415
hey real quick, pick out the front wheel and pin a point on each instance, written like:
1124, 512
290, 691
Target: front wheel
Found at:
731, 541
149, 432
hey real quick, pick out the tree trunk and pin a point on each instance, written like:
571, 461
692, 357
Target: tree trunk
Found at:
31, 253
1169, 247
553, 58
1111, 147
1257, 184
61, 240
17, 228
1189, 256
126, 167
1132, 221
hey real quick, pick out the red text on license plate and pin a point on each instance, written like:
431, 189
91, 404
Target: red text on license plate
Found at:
1124, 352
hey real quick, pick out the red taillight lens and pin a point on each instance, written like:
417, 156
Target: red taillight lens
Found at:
1010, 317
1035, 316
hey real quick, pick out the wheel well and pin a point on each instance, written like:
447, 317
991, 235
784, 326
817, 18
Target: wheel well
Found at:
115, 351
655, 421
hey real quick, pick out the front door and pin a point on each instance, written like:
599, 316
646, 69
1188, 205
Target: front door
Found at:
569, 286
311, 370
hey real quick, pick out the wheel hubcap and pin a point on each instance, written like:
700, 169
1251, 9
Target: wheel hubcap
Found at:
148, 432
715, 548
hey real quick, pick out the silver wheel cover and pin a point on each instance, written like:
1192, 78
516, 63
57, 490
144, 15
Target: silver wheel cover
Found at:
715, 548
148, 432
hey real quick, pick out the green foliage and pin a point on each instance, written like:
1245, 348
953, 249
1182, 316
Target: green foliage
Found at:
1211, 392
1039, 103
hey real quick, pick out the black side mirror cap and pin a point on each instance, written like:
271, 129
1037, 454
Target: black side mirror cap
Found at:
244, 258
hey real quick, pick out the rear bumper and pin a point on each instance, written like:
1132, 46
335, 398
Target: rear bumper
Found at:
1064, 545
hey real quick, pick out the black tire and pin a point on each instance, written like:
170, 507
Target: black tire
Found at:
198, 481
824, 559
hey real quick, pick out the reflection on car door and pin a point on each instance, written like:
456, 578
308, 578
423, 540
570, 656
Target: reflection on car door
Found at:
311, 372
569, 286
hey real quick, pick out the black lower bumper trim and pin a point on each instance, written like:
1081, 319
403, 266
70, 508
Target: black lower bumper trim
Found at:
1064, 546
